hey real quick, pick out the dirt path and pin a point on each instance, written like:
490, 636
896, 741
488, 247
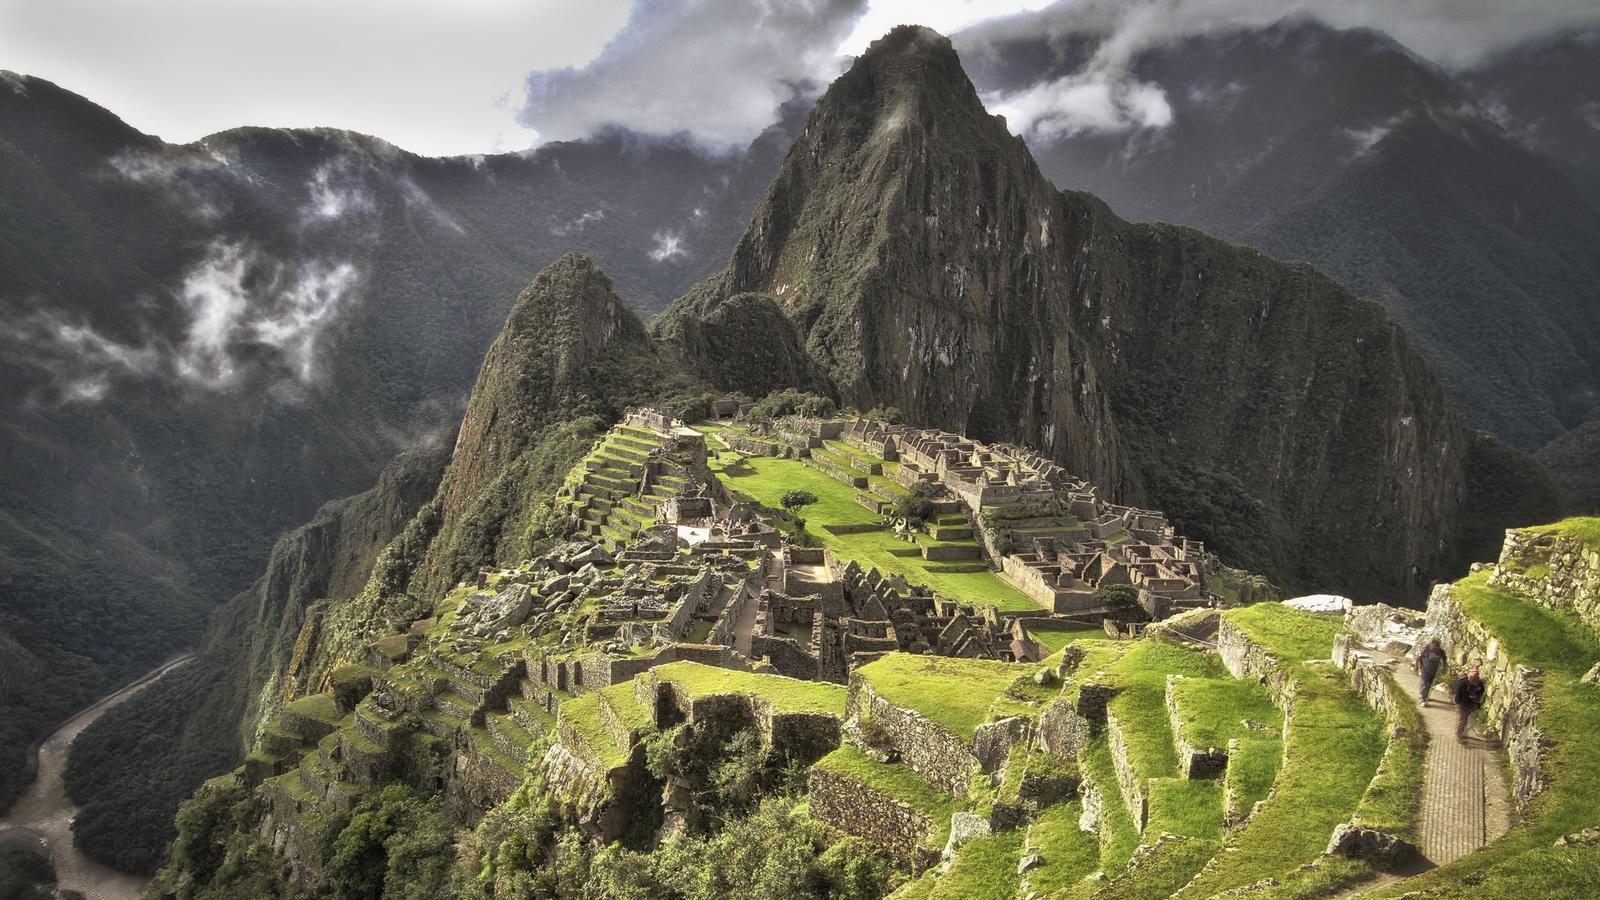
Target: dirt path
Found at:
43, 815
1465, 804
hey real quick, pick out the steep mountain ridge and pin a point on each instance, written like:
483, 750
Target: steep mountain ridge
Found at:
1435, 194
927, 264
209, 341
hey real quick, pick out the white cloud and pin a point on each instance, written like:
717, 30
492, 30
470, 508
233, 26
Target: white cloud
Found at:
579, 223
335, 191
1090, 101
235, 294
308, 306
717, 70
78, 360
669, 246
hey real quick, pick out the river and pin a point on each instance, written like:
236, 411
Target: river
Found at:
43, 815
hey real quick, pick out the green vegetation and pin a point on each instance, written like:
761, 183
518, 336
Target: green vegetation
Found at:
1119, 835
1140, 707
1054, 637
1191, 807
582, 715
790, 402
1525, 863
1392, 801
896, 780
1584, 529
1335, 744
1291, 635
958, 694
766, 479
1069, 852
785, 694
1212, 711
985, 869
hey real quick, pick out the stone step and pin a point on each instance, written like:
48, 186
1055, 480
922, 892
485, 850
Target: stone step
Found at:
634, 442
509, 736
454, 705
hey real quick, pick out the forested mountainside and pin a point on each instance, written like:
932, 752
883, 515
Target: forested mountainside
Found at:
1035, 316
209, 341
924, 262
1457, 201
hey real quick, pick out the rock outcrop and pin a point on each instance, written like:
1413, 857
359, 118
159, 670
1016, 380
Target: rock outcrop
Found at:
928, 265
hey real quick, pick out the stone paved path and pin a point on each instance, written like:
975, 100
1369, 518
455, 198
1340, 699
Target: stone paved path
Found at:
1464, 799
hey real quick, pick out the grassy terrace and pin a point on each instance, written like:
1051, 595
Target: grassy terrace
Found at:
1292, 635
1069, 853
1525, 862
897, 780
1335, 743
1584, 529
1054, 637
766, 479
1141, 707
787, 695
583, 715
959, 694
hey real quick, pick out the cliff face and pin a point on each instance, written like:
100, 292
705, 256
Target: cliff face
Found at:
571, 357
927, 264
256, 655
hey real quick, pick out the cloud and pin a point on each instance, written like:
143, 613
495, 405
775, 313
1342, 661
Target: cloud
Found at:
235, 295
669, 246
717, 70
578, 224
1104, 95
79, 362
334, 191
1091, 101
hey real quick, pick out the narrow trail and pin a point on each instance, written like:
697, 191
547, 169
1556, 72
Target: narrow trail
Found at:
43, 814
1465, 803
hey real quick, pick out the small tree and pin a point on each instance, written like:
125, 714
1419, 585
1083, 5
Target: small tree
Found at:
916, 506
793, 500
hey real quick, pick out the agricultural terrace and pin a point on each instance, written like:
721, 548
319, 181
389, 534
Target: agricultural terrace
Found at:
765, 480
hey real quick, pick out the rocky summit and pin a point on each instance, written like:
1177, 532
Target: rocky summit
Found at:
947, 543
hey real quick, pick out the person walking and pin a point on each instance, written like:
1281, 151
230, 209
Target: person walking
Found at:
1428, 665
1468, 694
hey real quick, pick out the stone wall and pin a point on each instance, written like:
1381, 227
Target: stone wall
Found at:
1193, 761
1511, 702
872, 815
1248, 660
931, 751
1134, 793
1555, 571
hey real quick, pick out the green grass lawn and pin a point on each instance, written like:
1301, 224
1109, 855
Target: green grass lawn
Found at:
1585, 529
582, 715
1119, 836
785, 694
765, 480
1054, 637
1069, 852
1292, 635
1140, 707
1212, 711
956, 693
897, 780
1335, 743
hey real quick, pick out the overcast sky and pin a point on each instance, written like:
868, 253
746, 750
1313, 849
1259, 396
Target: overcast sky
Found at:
473, 76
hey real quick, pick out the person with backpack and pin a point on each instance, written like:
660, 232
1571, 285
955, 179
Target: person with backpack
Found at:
1428, 665
1468, 693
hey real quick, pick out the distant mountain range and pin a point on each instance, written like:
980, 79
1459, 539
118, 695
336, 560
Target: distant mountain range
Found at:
207, 342
1465, 204
212, 340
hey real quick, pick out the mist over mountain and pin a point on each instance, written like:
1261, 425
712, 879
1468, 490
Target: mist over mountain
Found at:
1409, 185
209, 341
